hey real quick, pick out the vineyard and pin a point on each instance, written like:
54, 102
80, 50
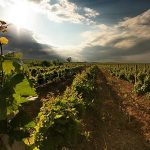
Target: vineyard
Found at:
57, 105
139, 75
45, 108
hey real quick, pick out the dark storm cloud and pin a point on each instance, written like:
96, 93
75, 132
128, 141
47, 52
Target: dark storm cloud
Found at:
113, 11
99, 53
126, 41
141, 47
107, 53
24, 42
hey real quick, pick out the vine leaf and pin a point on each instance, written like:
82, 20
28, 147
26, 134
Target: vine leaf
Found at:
14, 93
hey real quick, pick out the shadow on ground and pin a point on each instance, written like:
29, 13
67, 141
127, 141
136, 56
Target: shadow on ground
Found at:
108, 126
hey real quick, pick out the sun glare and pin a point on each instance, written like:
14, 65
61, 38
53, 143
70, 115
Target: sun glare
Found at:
20, 14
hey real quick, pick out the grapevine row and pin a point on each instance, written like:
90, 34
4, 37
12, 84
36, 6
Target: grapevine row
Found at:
47, 75
58, 123
139, 75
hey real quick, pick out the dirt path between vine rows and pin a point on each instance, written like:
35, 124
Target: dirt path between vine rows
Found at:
45, 93
109, 128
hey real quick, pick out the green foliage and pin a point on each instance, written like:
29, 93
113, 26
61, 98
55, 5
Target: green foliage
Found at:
14, 93
8, 67
40, 76
20, 125
84, 83
45, 63
22, 119
15, 90
139, 75
137, 88
58, 123
143, 84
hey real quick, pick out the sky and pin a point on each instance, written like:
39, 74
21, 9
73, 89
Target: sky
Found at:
86, 30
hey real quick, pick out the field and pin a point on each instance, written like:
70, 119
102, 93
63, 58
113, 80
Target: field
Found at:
76, 106
74, 75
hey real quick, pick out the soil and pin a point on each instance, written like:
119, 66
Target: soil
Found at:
45, 93
109, 124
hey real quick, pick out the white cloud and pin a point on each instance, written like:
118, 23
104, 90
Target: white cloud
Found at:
128, 38
60, 11
5, 3
90, 12
63, 10
125, 44
123, 35
140, 20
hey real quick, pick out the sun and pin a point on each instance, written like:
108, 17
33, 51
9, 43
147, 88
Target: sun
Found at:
20, 14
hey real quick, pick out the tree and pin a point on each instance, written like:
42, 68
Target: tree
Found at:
69, 59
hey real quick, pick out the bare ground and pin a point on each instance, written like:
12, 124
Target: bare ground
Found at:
46, 92
110, 128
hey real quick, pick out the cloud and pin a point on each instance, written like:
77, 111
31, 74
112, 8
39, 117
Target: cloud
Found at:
90, 12
36, 1
59, 10
128, 39
5, 3
24, 42
64, 10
